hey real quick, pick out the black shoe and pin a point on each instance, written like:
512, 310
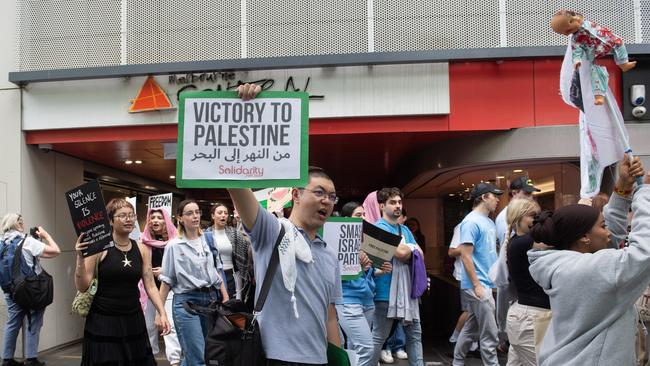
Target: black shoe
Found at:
12, 362
34, 362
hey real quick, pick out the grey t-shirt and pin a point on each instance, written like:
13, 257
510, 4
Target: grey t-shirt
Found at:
318, 284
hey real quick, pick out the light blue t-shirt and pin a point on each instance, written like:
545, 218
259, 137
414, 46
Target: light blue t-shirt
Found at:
382, 283
318, 284
479, 231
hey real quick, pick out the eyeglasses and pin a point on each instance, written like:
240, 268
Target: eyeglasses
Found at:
195, 212
320, 194
124, 216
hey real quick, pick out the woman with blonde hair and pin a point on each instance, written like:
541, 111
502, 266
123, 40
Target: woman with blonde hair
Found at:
190, 271
531, 299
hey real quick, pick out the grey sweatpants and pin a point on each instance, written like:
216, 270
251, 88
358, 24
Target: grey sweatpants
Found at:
481, 323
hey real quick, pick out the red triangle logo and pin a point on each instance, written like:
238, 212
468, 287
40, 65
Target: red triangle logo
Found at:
150, 98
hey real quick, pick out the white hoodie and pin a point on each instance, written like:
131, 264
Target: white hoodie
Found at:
592, 297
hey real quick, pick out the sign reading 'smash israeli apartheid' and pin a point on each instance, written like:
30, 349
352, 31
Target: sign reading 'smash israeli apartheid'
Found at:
343, 236
225, 142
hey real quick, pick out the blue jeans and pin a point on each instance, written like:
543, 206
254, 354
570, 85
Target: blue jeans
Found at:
192, 329
381, 329
15, 317
397, 341
355, 320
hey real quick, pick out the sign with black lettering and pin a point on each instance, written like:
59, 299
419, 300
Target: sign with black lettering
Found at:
343, 235
162, 201
225, 142
378, 244
88, 212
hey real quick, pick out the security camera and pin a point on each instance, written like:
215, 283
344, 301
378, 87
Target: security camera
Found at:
45, 147
638, 95
638, 111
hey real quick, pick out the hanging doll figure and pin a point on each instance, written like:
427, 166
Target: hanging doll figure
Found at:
594, 42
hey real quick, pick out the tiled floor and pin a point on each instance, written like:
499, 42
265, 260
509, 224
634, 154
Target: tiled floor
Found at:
434, 355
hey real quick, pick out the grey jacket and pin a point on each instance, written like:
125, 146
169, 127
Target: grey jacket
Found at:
592, 296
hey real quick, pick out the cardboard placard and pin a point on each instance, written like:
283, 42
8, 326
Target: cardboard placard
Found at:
162, 201
225, 142
343, 235
89, 216
379, 245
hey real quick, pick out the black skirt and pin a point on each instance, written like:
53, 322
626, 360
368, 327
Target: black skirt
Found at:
116, 340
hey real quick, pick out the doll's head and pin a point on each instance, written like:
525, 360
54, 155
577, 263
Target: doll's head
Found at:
566, 22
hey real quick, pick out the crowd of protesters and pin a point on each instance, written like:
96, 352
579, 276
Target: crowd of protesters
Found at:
567, 280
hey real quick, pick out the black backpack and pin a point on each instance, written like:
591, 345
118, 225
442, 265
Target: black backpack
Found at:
30, 292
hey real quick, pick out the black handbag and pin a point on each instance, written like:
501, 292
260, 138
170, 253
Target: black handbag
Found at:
233, 332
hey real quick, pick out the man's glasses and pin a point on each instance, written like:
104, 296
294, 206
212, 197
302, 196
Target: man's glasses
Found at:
124, 216
190, 213
320, 194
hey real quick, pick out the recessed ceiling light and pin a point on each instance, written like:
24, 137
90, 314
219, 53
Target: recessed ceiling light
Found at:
149, 187
138, 161
500, 177
172, 177
128, 162
451, 194
517, 170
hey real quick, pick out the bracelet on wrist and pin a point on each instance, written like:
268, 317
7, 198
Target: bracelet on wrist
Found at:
622, 192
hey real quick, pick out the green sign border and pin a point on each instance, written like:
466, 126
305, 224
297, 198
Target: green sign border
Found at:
259, 183
344, 219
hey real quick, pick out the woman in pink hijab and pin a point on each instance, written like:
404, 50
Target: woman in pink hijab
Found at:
157, 232
371, 208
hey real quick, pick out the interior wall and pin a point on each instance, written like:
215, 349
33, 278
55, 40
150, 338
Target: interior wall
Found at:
429, 214
46, 176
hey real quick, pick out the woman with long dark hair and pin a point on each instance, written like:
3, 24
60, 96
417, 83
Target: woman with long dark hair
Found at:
115, 333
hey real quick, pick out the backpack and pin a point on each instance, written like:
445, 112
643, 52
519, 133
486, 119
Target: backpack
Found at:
8, 250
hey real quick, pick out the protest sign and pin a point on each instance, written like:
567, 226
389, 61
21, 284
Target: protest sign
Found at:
162, 201
378, 244
225, 142
89, 216
343, 235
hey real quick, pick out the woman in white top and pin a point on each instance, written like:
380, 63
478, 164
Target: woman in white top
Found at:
13, 229
231, 248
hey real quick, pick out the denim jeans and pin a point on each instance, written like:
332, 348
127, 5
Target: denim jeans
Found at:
192, 329
397, 340
15, 317
381, 329
356, 320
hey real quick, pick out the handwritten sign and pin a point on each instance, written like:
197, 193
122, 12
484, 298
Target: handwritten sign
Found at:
343, 235
89, 216
224, 142
162, 201
378, 244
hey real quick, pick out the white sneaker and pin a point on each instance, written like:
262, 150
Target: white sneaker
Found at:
386, 356
401, 354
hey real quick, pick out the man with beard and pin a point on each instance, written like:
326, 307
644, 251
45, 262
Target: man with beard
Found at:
299, 316
478, 253
398, 285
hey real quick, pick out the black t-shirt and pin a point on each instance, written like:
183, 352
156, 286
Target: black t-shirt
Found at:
529, 292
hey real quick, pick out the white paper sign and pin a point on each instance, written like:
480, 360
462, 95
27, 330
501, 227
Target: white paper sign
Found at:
343, 235
163, 201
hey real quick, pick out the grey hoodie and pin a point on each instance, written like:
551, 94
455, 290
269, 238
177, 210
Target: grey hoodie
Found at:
592, 297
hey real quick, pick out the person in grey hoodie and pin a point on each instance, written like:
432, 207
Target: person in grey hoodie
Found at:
592, 289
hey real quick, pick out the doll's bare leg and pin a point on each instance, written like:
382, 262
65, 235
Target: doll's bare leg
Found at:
627, 66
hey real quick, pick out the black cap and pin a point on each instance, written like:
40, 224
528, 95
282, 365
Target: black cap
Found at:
483, 188
524, 184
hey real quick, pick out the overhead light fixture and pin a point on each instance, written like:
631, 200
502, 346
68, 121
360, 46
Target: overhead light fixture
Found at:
128, 162
172, 177
451, 194
501, 177
149, 187
138, 161
517, 170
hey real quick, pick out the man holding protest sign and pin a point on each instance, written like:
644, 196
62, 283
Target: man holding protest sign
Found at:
398, 285
306, 264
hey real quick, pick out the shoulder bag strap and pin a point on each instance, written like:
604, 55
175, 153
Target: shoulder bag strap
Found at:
15, 266
270, 273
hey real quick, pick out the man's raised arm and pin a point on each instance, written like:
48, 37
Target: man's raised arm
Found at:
246, 204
